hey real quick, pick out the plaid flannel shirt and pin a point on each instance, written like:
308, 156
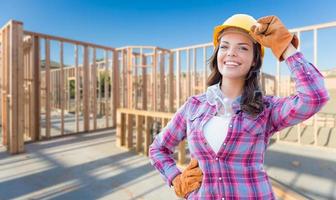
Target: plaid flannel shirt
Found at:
236, 171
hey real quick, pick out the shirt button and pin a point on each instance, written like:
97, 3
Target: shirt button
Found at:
223, 198
308, 72
230, 125
216, 158
224, 143
220, 178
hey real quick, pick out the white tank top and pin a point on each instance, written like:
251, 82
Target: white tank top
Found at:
215, 131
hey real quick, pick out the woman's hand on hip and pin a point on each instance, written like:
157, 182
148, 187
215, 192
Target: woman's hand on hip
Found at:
189, 180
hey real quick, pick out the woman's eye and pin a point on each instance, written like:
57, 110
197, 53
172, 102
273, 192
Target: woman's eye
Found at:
224, 47
243, 48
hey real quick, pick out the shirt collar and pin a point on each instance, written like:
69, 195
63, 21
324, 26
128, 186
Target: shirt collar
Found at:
213, 94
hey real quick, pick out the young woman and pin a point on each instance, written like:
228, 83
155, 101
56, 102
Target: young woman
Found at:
229, 126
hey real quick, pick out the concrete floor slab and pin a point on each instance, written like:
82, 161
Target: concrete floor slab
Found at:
90, 166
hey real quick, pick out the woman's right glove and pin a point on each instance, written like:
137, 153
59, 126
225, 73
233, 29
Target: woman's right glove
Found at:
270, 32
189, 180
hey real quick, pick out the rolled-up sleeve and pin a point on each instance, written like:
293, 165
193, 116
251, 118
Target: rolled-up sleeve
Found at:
162, 149
311, 95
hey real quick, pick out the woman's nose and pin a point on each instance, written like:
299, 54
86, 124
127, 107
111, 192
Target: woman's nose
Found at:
231, 52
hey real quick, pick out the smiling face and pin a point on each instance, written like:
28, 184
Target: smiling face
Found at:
235, 54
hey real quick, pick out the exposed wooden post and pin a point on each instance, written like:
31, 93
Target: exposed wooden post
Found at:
16, 100
120, 140
106, 92
129, 131
67, 95
135, 67
162, 82
94, 88
77, 88
194, 74
171, 82
115, 86
188, 73
154, 82
32, 73
27, 87
62, 87
178, 79
129, 79
86, 92
5, 84
47, 88
99, 75
125, 89
299, 38
139, 133
144, 82
148, 125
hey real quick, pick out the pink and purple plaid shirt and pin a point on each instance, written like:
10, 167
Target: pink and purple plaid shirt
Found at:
236, 171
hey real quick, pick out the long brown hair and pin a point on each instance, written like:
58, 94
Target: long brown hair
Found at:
251, 101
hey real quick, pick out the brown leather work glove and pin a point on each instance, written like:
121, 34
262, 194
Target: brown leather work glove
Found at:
189, 180
270, 32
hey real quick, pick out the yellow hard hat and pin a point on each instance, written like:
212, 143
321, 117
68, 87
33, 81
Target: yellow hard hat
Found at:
242, 21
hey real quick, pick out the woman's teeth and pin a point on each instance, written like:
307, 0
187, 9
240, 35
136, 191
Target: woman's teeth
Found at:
231, 63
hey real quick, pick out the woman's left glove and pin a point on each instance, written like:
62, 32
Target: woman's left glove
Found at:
270, 32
